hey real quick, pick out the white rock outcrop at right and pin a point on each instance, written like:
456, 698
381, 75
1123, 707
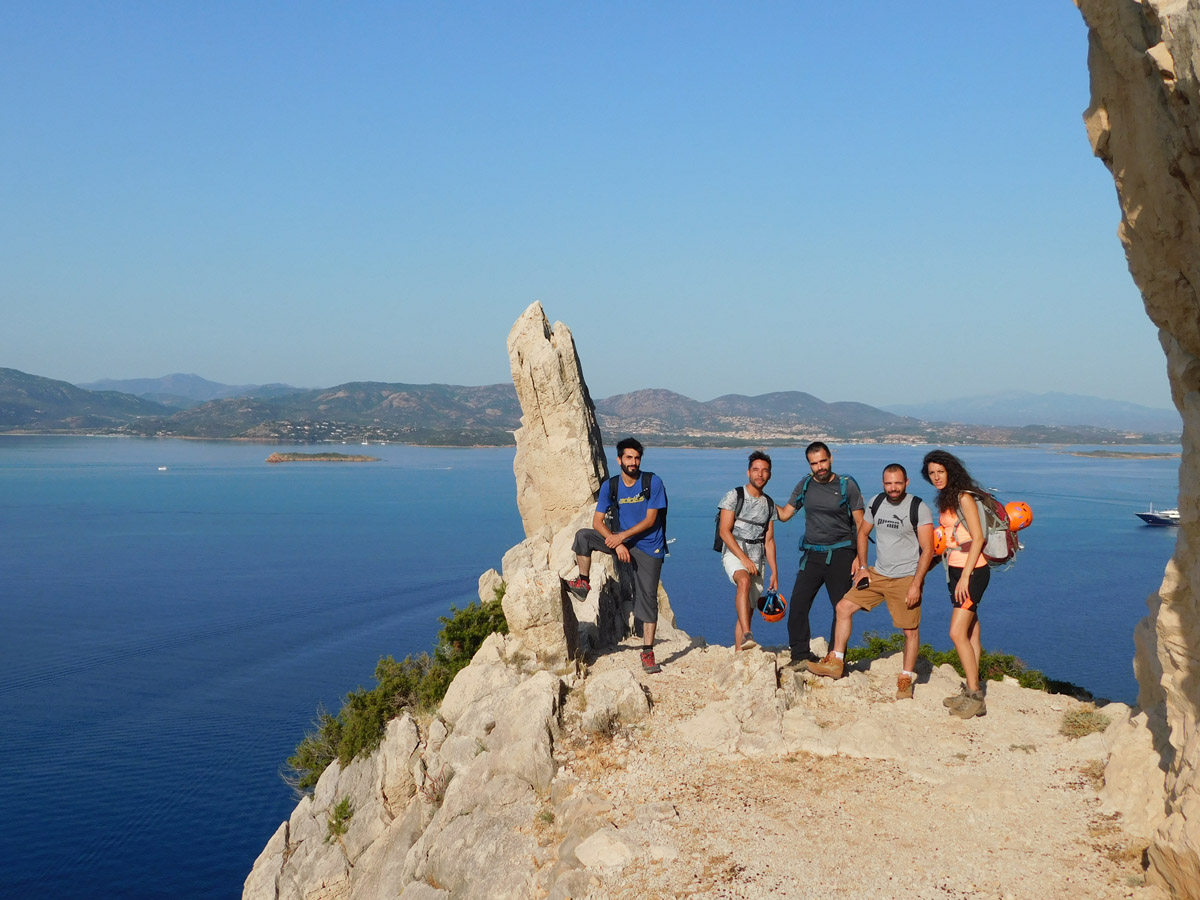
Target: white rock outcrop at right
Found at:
1144, 123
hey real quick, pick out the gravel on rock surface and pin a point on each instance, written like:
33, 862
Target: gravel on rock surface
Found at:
882, 799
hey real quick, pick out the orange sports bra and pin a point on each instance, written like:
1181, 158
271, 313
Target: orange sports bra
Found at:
958, 537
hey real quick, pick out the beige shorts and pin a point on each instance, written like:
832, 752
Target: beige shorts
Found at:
892, 591
733, 564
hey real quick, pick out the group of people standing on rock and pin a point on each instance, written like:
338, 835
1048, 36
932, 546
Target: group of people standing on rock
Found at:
629, 524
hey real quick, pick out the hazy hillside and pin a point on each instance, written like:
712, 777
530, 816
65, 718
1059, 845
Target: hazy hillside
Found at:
787, 415
185, 391
1018, 408
484, 415
30, 402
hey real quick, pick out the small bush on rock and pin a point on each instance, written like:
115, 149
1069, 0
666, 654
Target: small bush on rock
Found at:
338, 822
417, 683
992, 666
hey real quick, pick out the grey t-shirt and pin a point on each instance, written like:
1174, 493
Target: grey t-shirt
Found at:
826, 520
896, 547
748, 526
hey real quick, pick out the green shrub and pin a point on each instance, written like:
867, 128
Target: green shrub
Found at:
338, 822
417, 683
992, 666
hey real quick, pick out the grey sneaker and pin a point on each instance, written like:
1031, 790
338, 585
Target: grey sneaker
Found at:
972, 705
954, 700
748, 641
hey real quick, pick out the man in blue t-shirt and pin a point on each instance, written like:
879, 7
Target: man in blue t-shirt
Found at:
639, 540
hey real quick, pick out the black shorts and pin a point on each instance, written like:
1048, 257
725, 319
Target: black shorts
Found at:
976, 586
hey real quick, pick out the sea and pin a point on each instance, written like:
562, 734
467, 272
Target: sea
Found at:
173, 613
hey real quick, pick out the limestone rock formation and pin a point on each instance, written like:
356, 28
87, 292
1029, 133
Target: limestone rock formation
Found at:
560, 456
433, 811
559, 468
449, 813
1144, 123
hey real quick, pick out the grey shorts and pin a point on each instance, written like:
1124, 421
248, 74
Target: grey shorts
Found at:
645, 569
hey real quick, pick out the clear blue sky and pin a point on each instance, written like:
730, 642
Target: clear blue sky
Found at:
881, 201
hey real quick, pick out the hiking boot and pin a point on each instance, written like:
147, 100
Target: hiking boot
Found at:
972, 705
748, 641
799, 660
830, 666
904, 685
953, 701
648, 663
579, 587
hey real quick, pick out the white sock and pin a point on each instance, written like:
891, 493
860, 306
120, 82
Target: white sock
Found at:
912, 675
837, 655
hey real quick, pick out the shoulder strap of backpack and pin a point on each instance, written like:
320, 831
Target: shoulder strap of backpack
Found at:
914, 509
804, 488
741, 499
876, 503
646, 476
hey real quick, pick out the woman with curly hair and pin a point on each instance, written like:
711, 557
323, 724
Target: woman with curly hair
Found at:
967, 571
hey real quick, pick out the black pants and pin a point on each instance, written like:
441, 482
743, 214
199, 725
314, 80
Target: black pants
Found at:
834, 574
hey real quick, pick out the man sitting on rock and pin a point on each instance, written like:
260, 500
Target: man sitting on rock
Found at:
748, 532
635, 534
903, 527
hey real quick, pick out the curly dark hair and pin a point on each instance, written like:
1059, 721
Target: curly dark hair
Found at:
958, 479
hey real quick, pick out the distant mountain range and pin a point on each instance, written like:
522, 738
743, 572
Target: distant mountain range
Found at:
1026, 408
176, 406
186, 391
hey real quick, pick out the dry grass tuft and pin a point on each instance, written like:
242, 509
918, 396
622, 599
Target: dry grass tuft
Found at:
1083, 720
1093, 771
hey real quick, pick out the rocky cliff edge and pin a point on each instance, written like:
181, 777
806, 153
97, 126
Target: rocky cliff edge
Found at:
556, 768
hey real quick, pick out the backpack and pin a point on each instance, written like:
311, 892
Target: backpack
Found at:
612, 515
912, 509
719, 544
1000, 542
842, 479
844, 503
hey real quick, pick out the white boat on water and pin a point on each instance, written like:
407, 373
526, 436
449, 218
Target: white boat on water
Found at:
1159, 516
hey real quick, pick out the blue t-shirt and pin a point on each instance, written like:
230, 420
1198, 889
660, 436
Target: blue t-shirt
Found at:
632, 509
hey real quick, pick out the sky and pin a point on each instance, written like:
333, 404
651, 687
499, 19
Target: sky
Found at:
873, 201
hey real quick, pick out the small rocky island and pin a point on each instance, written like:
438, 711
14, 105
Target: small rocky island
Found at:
1122, 454
319, 457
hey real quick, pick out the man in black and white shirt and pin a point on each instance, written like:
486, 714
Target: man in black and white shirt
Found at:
749, 537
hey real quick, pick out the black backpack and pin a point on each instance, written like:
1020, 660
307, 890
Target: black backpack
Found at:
912, 509
912, 518
719, 544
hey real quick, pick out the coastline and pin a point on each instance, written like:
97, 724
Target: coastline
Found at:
670, 442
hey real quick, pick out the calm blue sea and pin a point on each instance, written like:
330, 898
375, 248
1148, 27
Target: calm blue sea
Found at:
166, 636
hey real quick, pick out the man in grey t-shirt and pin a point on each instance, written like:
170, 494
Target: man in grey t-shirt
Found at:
833, 508
749, 537
903, 527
